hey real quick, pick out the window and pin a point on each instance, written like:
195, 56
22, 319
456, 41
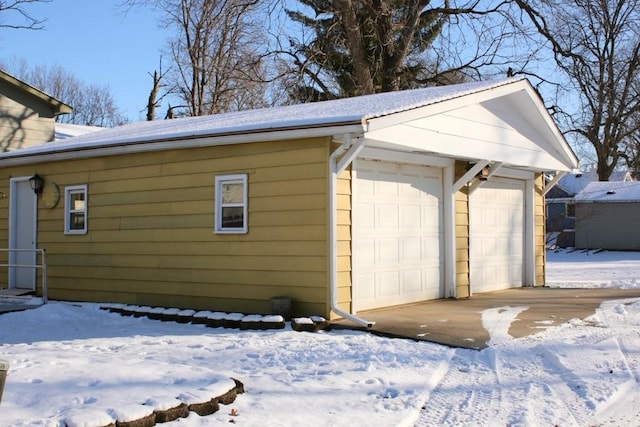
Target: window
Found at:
75, 209
231, 204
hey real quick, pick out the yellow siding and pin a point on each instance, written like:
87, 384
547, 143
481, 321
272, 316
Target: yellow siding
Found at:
343, 205
462, 235
540, 234
151, 239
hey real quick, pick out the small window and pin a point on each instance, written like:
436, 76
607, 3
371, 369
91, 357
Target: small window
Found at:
75, 209
231, 204
571, 210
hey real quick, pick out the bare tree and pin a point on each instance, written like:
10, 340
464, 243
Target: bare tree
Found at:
596, 44
93, 105
215, 52
15, 14
155, 97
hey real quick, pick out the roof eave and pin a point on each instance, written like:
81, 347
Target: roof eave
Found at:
58, 106
16, 158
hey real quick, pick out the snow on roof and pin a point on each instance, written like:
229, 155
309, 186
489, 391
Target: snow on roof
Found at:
607, 191
68, 130
574, 183
354, 110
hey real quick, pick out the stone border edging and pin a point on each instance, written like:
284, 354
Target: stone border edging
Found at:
181, 411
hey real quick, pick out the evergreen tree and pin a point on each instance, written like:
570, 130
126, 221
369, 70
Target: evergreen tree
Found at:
367, 46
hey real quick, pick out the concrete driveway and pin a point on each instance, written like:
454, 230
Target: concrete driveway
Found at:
458, 323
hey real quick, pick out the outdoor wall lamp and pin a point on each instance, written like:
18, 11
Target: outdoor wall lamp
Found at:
36, 183
483, 175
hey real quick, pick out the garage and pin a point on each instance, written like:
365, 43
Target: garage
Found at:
496, 228
397, 233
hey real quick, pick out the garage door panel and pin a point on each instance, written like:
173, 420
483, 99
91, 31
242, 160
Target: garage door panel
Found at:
388, 283
497, 235
431, 247
405, 232
387, 250
387, 217
366, 250
366, 215
411, 217
412, 249
367, 285
432, 276
411, 280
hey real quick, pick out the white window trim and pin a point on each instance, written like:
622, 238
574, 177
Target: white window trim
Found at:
221, 179
68, 211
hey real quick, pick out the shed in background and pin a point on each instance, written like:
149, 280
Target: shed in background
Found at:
608, 216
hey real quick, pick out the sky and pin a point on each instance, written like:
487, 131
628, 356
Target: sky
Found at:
98, 43
78, 365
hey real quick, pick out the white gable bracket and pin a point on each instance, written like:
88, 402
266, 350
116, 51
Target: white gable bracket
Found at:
493, 169
350, 155
471, 173
553, 182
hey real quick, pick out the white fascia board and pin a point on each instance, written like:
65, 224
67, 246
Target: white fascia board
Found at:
175, 144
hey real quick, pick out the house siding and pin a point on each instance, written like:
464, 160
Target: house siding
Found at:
344, 261
24, 121
150, 237
462, 234
609, 225
540, 231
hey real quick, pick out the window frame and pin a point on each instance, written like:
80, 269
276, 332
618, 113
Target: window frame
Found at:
220, 180
68, 211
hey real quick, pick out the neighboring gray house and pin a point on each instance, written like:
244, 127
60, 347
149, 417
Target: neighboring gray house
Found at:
559, 201
608, 216
27, 115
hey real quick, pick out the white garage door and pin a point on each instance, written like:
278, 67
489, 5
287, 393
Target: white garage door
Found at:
496, 235
397, 234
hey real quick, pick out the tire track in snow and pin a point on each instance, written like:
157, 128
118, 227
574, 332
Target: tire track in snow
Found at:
589, 377
595, 378
469, 393
479, 388
627, 352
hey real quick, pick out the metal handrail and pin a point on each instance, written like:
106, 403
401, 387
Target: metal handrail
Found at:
43, 266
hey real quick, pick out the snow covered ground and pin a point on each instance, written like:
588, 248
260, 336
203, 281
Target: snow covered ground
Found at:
77, 364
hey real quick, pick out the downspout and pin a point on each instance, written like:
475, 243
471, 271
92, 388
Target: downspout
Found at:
333, 223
